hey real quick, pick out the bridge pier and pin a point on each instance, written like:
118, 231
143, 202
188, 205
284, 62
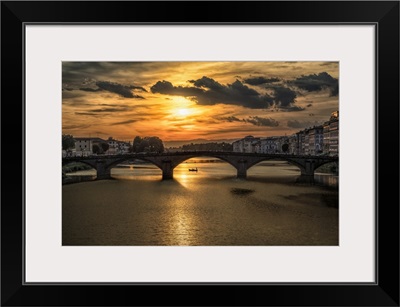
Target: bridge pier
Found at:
305, 179
103, 172
309, 168
242, 169
167, 170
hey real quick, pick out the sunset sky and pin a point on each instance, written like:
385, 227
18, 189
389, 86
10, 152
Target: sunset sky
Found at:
196, 100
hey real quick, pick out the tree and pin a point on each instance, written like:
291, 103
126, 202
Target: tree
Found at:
67, 141
147, 144
96, 149
285, 147
155, 144
104, 147
136, 143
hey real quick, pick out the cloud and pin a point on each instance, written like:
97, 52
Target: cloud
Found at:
335, 90
207, 82
231, 119
297, 124
254, 120
207, 91
112, 109
284, 97
124, 122
260, 80
133, 87
70, 95
166, 87
71, 127
122, 90
89, 89
87, 114
292, 109
317, 82
329, 64
262, 121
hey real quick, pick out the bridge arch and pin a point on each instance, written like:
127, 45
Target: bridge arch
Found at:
185, 158
115, 162
291, 161
68, 171
321, 163
88, 163
119, 161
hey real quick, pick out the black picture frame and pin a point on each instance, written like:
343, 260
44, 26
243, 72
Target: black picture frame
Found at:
383, 14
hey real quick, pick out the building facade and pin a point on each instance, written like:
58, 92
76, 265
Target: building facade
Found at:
84, 146
331, 135
317, 140
249, 144
117, 147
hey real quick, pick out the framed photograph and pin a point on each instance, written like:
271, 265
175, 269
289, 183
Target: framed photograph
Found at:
253, 151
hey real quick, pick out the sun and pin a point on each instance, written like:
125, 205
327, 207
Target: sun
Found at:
183, 112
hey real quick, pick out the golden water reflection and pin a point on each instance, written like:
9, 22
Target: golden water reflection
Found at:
182, 228
200, 208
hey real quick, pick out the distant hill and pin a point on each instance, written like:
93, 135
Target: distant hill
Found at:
179, 143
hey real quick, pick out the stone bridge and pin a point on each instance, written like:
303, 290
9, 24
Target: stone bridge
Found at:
168, 161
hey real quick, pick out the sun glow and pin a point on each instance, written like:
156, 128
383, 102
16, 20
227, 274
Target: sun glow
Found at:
183, 112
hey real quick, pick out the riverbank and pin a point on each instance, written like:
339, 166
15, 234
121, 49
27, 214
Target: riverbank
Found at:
73, 168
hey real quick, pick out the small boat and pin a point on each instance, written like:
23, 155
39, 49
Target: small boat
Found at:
193, 169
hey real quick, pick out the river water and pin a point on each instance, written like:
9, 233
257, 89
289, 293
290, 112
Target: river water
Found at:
209, 207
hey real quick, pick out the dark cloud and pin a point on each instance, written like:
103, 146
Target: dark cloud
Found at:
207, 82
262, 121
70, 95
231, 119
88, 114
122, 90
284, 97
297, 124
241, 89
100, 111
335, 90
317, 82
166, 87
89, 89
124, 122
260, 80
139, 88
254, 120
292, 109
207, 91
207, 121
109, 110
